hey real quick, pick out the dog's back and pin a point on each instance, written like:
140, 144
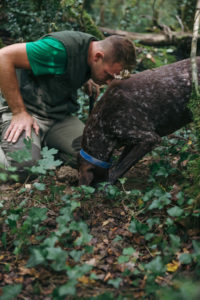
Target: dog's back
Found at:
153, 100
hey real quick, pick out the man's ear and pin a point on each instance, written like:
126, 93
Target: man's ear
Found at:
86, 175
98, 55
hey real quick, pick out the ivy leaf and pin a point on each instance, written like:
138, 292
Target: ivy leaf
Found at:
68, 289
160, 202
50, 242
76, 255
185, 258
10, 292
128, 251
115, 282
149, 236
58, 256
39, 186
175, 211
78, 271
138, 227
123, 259
156, 266
36, 258
175, 241
37, 215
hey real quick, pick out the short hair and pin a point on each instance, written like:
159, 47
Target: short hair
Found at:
119, 49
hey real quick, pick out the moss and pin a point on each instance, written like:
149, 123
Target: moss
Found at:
90, 26
85, 22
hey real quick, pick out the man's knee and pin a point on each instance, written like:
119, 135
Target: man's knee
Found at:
70, 157
21, 154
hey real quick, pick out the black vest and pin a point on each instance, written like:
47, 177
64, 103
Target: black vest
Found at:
54, 96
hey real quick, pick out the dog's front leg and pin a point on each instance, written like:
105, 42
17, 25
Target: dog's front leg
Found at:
134, 155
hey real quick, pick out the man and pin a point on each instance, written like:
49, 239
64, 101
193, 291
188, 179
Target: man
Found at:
38, 82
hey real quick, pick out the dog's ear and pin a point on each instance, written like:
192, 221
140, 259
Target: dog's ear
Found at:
86, 171
86, 174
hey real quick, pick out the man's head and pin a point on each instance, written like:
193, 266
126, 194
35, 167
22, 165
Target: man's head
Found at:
108, 57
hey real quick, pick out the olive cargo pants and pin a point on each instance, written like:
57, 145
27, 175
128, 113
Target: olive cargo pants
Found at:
65, 136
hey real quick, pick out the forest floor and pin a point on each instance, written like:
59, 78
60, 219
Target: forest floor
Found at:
136, 251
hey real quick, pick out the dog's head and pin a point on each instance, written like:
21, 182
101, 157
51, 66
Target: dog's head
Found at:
90, 174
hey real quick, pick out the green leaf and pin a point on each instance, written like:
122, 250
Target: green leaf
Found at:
56, 253
59, 258
118, 238
149, 236
115, 282
123, 259
47, 162
10, 292
185, 258
78, 271
12, 220
76, 255
3, 177
37, 214
175, 241
68, 289
160, 202
156, 266
138, 227
50, 241
122, 180
128, 251
175, 211
169, 222
153, 221
36, 258
39, 186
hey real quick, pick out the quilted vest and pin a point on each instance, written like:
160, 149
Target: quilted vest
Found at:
54, 96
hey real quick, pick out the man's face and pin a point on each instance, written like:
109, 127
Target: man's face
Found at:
103, 72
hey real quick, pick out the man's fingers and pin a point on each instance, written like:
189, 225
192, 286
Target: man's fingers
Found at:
36, 127
8, 131
13, 135
16, 135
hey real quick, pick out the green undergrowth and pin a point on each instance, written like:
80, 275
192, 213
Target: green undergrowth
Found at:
45, 229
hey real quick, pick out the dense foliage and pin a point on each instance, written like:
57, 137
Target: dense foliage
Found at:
28, 20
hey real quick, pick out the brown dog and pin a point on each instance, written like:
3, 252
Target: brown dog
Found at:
134, 113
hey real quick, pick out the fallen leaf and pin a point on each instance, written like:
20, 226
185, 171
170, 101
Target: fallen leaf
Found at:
85, 280
108, 276
29, 271
91, 262
19, 279
173, 266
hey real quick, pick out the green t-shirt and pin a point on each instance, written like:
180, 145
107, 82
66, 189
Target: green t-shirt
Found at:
47, 56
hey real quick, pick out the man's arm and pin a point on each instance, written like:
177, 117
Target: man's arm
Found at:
12, 57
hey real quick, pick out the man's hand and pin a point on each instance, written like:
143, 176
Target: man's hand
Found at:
20, 122
92, 89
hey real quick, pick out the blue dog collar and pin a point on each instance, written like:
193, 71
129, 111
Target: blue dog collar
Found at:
95, 161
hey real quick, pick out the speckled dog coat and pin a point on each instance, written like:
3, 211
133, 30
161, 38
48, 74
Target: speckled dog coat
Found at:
136, 112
